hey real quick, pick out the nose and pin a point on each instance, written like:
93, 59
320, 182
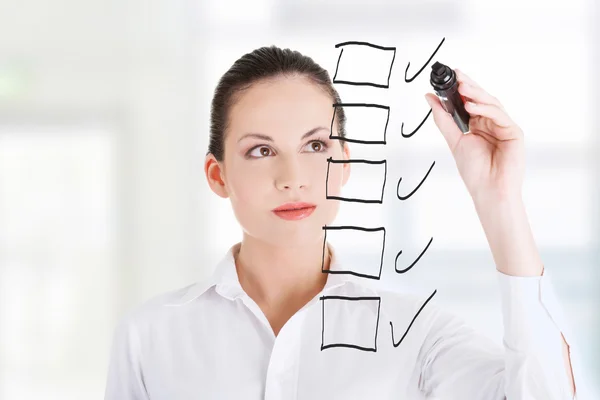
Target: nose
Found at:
289, 174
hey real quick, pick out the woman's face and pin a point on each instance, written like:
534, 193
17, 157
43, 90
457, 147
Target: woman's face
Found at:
259, 174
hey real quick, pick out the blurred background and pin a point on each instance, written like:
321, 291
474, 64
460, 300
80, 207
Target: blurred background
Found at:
104, 109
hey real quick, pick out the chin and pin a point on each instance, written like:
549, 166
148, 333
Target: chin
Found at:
307, 235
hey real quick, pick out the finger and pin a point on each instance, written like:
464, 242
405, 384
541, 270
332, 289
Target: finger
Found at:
497, 116
478, 95
444, 122
462, 77
479, 125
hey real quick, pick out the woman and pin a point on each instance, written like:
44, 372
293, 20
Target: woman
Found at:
257, 328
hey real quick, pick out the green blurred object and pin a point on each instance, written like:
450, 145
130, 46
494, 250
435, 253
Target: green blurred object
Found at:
14, 81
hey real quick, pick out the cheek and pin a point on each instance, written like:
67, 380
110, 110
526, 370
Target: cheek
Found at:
335, 178
246, 185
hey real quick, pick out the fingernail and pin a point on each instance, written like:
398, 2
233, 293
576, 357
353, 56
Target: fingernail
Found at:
428, 100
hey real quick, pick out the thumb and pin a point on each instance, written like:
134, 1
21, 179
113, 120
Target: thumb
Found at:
444, 121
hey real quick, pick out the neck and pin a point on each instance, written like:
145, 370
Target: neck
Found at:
277, 277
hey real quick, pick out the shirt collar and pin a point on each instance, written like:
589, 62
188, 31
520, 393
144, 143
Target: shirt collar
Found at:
226, 282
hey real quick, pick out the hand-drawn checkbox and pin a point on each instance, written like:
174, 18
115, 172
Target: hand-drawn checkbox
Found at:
365, 264
351, 322
367, 184
364, 64
365, 122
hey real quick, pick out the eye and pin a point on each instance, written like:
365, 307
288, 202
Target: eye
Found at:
322, 146
263, 151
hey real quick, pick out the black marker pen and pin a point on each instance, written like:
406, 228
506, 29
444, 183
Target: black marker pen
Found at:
445, 85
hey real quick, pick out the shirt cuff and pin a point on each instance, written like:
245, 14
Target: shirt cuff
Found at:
530, 306
534, 320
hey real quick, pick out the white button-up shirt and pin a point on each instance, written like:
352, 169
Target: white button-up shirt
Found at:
210, 340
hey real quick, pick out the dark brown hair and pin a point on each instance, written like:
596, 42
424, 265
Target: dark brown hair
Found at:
263, 63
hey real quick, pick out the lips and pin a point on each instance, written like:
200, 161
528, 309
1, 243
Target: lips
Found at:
294, 206
294, 211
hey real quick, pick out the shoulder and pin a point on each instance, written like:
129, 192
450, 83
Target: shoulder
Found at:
161, 308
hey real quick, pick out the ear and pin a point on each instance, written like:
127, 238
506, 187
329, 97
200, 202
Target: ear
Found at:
346, 156
215, 176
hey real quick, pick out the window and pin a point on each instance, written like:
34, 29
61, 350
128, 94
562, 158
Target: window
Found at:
57, 232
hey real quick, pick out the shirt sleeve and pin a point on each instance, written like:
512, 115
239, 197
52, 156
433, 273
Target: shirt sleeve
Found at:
125, 379
457, 362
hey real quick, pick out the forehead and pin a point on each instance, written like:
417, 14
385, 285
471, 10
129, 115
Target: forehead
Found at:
280, 106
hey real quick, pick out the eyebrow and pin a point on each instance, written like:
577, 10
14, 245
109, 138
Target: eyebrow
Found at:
270, 139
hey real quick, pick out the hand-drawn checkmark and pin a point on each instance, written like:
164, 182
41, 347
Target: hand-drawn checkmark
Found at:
401, 271
417, 128
411, 322
415, 189
423, 67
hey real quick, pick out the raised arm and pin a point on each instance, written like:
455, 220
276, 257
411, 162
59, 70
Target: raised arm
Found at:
491, 161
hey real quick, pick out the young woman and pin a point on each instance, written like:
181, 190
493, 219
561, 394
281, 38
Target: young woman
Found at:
257, 329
